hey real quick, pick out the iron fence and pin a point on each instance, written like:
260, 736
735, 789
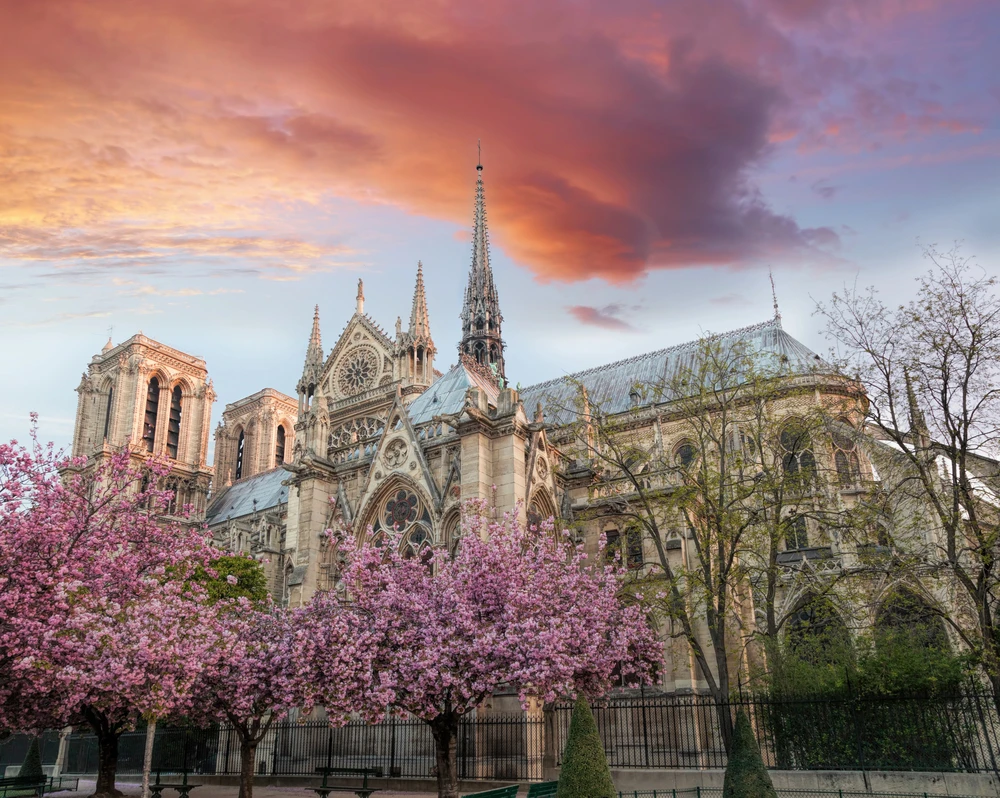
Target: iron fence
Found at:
15, 748
652, 731
497, 747
946, 733
716, 792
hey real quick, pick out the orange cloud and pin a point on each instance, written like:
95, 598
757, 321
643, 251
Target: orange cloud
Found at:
617, 139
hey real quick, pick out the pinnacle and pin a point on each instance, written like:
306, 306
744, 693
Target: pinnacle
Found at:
420, 324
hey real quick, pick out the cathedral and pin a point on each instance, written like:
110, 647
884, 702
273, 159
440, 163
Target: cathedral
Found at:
377, 438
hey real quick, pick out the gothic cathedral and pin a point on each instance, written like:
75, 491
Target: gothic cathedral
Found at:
378, 439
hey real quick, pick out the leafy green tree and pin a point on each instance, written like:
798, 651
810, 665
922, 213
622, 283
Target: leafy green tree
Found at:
739, 488
746, 776
931, 368
235, 576
585, 772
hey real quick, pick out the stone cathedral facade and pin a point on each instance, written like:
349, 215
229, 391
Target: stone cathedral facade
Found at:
377, 437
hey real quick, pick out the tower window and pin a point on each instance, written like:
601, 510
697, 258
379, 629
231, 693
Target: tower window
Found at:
279, 446
152, 409
633, 550
174, 422
613, 545
796, 535
845, 460
239, 455
107, 412
797, 458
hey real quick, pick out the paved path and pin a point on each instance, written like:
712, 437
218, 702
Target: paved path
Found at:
218, 791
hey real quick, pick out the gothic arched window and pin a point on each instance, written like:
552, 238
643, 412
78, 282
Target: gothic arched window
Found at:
633, 552
796, 533
845, 459
174, 423
905, 615
613, 544
816, 633
240, 447
279, 446
685, 454
417, 544
107, 411
797, 456
152, 410
534, 516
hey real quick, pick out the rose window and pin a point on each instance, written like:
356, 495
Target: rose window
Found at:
402, 509
359, 371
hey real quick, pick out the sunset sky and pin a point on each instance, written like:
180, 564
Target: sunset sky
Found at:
207, 171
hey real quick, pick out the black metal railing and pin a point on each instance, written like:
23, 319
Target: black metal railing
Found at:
15, 748
946, 733
655, 731
497, 747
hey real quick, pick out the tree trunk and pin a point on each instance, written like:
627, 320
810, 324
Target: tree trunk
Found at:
248, 763
107, 763
147, 757
445, 730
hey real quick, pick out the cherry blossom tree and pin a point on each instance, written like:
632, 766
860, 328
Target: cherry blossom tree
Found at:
513, 608
100, 622
247, 681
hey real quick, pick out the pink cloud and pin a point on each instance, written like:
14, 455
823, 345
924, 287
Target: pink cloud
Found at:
617, 138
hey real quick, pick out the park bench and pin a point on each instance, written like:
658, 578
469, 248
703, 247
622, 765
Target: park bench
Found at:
183, 788
363, 791
22, 784
61, 783
499, 792
543, 790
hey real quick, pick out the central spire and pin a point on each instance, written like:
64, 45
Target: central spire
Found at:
481, 317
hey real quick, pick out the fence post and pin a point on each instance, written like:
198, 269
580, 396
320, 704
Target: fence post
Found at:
856, 714
392, 745
645, 727
549, 720
986, 732
274, 755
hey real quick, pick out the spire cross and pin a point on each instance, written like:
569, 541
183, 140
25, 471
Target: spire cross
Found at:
479, 160
111, 332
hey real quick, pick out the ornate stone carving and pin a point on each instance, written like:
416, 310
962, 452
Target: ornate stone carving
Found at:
395, 453
542, 467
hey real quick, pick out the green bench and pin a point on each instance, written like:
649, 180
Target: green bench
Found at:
23, 784
364, 791
544, 790
499, 792
183, 789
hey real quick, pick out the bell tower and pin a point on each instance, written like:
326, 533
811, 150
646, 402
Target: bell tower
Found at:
481, 317
155, 400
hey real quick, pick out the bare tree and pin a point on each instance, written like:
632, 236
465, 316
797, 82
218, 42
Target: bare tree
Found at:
932, 371
741, 483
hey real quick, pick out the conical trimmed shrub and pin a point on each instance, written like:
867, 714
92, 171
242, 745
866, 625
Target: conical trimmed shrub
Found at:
585, 772
746, 776
32, 766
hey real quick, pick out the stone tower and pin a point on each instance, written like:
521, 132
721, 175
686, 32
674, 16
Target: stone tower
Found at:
256, 434
154, 399
481, 318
